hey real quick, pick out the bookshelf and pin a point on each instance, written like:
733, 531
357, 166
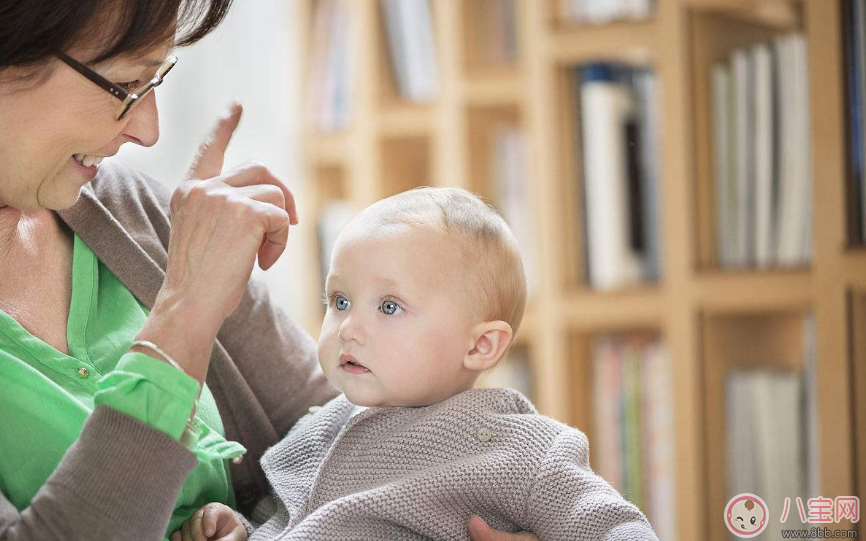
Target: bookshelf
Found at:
712, 321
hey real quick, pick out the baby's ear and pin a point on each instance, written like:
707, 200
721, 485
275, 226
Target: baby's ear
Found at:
490, 340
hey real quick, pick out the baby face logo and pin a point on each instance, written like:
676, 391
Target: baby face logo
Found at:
746, 515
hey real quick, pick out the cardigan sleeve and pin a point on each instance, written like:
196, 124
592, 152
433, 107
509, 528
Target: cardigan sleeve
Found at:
83, 500
276, 357
569, 501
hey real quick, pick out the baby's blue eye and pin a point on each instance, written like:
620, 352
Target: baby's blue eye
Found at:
341, 303
390, 308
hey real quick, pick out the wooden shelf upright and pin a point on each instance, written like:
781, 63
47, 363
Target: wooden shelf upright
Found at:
710, 320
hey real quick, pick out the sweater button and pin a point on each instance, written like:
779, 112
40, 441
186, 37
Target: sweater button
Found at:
484, 434
314, 409
83, 373
238, 459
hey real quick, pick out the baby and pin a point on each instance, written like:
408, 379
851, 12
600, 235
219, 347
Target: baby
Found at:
425, 292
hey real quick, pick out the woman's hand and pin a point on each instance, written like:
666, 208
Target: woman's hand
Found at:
480, 531
214, 521
220, 222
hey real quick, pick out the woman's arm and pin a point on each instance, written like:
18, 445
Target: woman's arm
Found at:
119, 480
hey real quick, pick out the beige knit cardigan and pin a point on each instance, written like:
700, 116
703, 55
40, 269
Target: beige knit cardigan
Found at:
420, 473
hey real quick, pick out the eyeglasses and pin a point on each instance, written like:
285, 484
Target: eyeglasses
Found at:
128, 99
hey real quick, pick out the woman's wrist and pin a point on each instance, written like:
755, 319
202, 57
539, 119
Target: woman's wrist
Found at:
183, 332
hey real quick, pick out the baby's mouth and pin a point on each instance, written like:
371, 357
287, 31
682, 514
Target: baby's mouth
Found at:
350, 364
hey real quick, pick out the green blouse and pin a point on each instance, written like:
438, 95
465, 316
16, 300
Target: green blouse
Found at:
46, 396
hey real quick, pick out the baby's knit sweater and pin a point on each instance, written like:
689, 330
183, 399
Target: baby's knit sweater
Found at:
420, 473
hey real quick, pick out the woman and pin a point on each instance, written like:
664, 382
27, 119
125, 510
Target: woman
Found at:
137, 361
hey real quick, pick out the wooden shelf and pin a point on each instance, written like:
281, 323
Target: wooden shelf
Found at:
711, 321
732, 292
855, 267
772, 340
778, 14
626, 41
493, 90
407, 121
632, 309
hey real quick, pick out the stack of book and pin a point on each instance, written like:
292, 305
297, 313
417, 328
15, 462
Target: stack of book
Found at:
619, 127
855, 57
606, 11
772, 436
329, 90
762, 155
508, 170
633, 424
411, 40
495, 34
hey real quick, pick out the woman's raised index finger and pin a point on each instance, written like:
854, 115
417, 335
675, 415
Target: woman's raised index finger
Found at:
208, 161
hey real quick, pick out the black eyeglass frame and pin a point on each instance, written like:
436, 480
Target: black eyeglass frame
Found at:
128, 99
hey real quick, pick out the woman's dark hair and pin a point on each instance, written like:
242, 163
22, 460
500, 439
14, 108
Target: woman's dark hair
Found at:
31, 29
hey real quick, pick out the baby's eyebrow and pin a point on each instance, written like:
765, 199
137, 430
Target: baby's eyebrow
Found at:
387, 281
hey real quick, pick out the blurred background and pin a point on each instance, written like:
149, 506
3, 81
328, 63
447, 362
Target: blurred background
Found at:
686, 181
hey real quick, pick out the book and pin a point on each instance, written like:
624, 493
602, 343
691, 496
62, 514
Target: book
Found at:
724, 163
743, 70
764, 120
495, 36
508, 169
762, 161
330, 66
632, 425
795, 205
411, 41
649, 147
606, 11
618, 127
854, 27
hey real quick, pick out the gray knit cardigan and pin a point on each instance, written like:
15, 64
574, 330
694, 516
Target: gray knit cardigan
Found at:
419, 473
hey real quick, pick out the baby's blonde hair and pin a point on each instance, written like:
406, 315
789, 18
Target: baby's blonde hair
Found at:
488, 249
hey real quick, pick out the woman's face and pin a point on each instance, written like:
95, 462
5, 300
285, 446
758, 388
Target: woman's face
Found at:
42, 127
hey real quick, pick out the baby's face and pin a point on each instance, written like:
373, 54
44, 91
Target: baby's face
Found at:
395, 309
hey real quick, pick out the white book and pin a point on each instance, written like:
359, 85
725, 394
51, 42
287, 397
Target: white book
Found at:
512, 189
795, 205
659, 434
812, 457
605, 107
743, 72
722, 147
607, 428
764, 152
335, 112
649, 133
320, 46
805, 146
413, 48
742, 468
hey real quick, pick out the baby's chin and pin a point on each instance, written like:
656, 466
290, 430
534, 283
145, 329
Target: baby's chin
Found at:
375, 399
